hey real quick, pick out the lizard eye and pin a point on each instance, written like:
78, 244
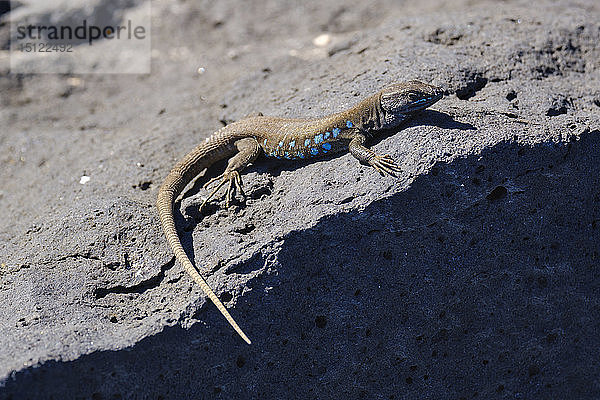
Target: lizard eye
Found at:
414, 96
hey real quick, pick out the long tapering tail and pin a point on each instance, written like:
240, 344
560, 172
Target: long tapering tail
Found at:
169, 190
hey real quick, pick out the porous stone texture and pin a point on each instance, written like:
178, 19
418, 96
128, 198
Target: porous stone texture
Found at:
472, 275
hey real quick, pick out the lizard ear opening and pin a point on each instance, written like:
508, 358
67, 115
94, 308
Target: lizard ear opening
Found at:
394, 97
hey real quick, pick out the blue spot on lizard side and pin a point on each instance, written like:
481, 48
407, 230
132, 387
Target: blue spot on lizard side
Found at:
319, 138
326, 136
326, 147
281, 144
314, 151
336, 132
349, 124
292, 144
265, 143
306, 142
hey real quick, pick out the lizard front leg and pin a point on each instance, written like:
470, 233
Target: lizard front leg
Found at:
383, 164
248, 150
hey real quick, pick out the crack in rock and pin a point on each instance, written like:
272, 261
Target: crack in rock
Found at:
141, 287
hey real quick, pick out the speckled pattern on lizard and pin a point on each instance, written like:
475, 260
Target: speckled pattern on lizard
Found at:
293, 139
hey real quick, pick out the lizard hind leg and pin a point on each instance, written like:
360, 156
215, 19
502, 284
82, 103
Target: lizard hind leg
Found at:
248, 150
235, 185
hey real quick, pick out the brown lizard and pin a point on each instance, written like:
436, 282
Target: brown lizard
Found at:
289, 138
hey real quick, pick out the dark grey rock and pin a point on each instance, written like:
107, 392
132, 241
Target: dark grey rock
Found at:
472, 275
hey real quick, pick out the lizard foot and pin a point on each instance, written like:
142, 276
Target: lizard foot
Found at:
385, 164
235, 185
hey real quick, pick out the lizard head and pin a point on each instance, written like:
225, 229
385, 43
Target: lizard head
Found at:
401, 100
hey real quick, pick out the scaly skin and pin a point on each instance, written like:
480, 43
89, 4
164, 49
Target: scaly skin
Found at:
292, 139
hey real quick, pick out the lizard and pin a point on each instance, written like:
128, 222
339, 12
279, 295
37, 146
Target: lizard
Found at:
293, 139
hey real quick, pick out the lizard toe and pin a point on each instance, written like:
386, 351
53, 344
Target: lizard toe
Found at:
385, 165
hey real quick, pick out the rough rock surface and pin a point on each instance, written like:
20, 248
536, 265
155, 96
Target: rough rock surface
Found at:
473, 275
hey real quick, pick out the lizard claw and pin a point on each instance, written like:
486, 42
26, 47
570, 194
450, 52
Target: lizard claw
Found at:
235, 185
385, 164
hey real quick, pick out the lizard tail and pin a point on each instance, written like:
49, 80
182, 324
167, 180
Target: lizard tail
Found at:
166, 197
